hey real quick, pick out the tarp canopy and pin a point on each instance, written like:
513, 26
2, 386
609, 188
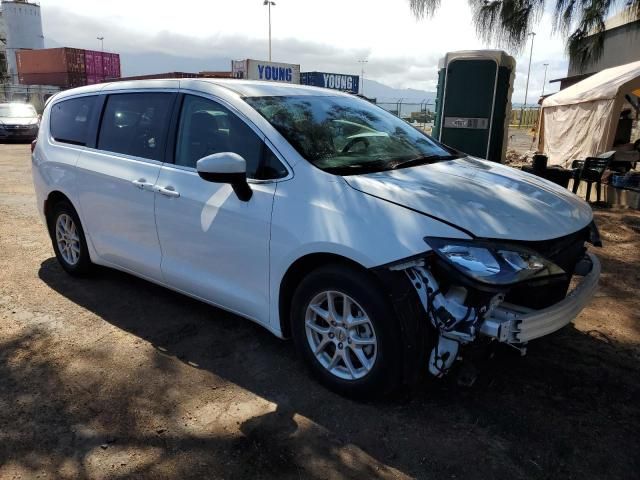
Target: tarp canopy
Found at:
581, 120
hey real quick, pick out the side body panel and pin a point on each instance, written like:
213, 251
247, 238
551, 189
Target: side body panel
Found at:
116, 194
117, 214
53, 167
214, 245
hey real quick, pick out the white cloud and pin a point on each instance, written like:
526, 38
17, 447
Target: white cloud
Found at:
330, 35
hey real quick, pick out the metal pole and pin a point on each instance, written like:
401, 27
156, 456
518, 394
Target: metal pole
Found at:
268, 3
526, 91
362, 62
544, 82
269, 31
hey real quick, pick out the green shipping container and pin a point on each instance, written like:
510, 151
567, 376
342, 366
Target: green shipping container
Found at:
473, 102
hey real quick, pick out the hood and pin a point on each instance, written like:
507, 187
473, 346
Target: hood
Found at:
18, 120
486, 199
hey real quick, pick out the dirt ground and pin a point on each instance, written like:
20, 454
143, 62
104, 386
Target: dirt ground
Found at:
521, 145
113, 377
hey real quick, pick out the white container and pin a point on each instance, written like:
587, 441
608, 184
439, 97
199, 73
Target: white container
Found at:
266, 71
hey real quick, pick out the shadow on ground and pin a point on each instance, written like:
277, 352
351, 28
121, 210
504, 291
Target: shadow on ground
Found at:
569, 409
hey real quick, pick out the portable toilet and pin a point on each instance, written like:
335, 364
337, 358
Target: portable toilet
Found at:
473, 102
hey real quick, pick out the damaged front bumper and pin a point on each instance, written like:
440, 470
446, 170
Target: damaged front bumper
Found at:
457, 322
517, 325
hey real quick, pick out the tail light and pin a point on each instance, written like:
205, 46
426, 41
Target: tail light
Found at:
33, 145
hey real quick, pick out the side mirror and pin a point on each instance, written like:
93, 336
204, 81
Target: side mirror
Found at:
226, 167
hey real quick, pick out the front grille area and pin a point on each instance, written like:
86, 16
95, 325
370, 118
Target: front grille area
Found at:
565, 252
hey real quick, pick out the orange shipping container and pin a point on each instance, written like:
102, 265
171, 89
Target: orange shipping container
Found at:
51, 60
62, 80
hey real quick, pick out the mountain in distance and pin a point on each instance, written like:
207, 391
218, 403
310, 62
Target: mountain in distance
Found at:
386, 94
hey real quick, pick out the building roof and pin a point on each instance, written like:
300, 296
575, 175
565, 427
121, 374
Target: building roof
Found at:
574, 78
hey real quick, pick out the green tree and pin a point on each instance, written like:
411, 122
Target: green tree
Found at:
508, 22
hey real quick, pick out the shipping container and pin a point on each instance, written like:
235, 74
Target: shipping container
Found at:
93, 79
335, 81
267, 71
89, 61
51, 60
103, 65
66, 67
98, 62
62, 80
155, 76
116, 65
106, 63
209, 74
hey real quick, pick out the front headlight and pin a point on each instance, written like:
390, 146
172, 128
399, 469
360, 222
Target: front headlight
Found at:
493, 263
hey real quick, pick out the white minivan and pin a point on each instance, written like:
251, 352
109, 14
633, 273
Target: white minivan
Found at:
316, 214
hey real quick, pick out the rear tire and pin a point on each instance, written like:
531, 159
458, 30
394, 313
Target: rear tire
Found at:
69, 242
355, 351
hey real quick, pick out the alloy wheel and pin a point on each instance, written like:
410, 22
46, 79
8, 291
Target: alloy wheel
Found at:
341, 335
67, 239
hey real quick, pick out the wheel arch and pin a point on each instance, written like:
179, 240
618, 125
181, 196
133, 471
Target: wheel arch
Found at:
54, 197
298, 270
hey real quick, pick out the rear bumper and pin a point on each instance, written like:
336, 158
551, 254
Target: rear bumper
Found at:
19, 134
516, 325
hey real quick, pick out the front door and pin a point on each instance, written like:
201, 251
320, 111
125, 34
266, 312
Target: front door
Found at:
214, 245
117, 179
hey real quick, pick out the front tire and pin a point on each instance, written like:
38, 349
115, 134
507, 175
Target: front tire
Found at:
69, 242
344, 329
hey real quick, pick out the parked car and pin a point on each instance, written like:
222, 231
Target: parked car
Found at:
18, 121
315, 214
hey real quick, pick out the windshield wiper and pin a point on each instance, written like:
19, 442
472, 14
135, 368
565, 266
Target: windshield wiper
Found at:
357, 168
421, 160
382, 165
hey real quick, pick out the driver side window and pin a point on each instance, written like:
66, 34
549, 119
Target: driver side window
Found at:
206, 127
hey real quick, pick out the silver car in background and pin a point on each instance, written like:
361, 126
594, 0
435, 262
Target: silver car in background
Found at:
18, 121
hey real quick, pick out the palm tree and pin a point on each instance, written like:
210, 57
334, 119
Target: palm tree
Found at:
508, 22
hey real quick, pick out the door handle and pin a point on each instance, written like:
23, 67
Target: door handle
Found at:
142, 184
168, 191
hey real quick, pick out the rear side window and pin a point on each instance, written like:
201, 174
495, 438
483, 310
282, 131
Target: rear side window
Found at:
70, 120
136, 124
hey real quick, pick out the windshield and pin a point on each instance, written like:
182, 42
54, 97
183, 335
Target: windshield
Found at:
348, 135
17, 110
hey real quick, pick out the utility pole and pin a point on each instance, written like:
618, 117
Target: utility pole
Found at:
526, 91
362, 63
268, 3
101, 43
544, 82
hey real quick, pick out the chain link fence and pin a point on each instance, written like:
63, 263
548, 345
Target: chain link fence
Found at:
418, 114
524, 117
422, 115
